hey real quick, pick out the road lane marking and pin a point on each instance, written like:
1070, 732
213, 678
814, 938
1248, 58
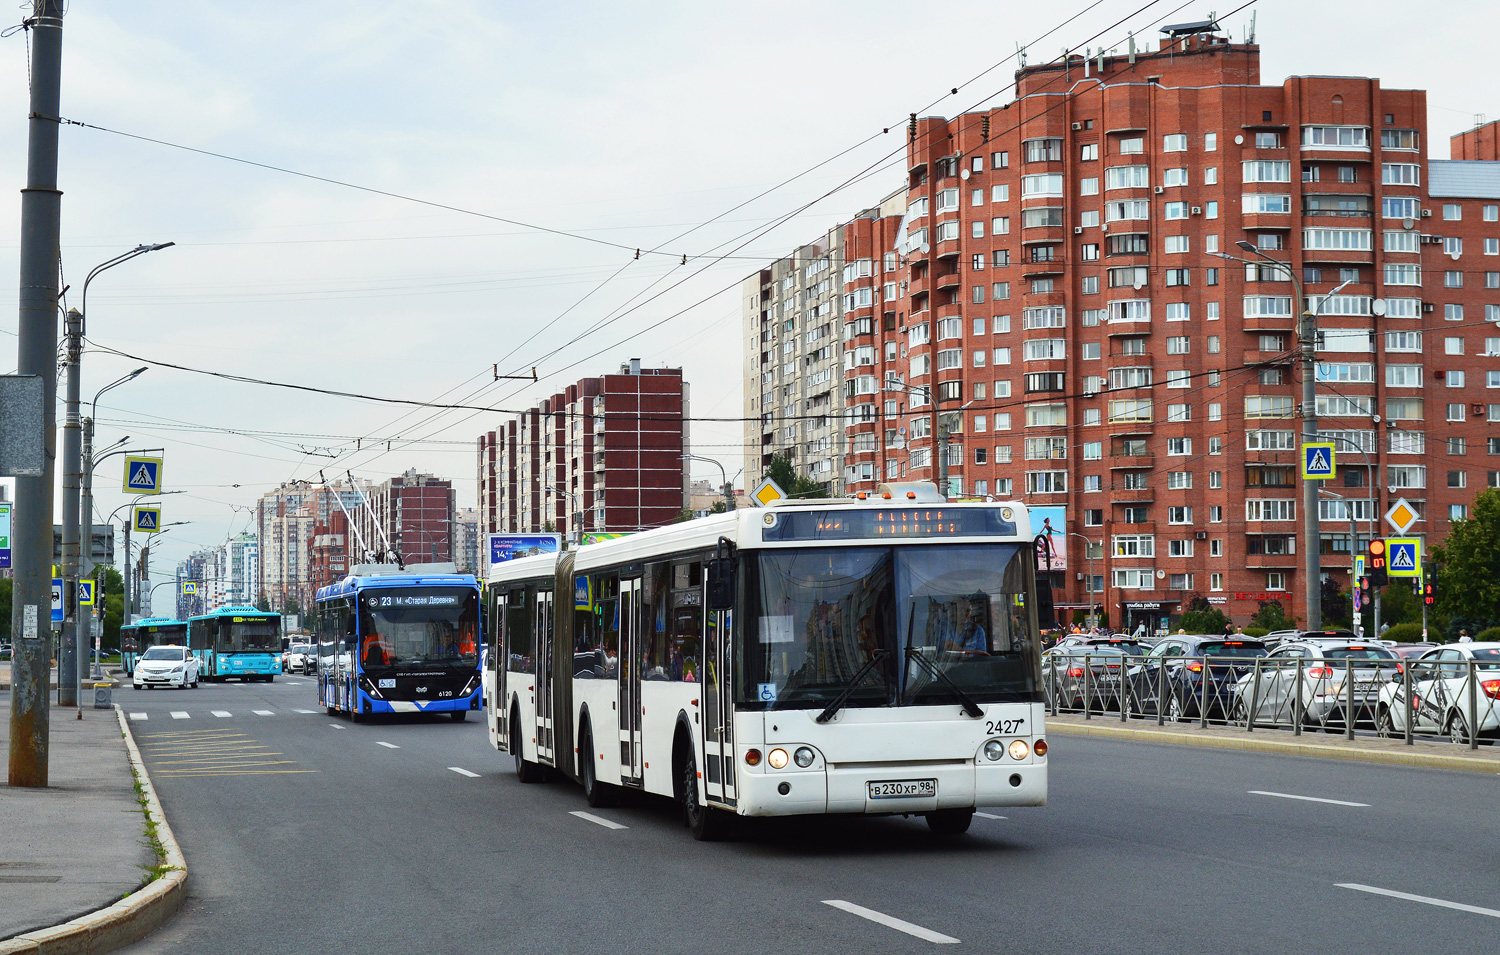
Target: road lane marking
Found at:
985, 815
221, 713
464, 772
335, 726
1375, 890
263, 712
180, 715
597, 820
139, 716
1331, 802
900, 925
386, 745
304, 711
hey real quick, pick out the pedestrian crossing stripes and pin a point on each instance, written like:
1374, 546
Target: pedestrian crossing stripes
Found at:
222, 713
180, 715
263, 712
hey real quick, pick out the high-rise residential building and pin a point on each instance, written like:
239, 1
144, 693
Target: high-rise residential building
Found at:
1054, 304
328, 559
241, 560
466, 540
414, 512
605, 454
791, 316
283, 525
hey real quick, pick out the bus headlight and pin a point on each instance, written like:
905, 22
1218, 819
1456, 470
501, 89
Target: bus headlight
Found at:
1019, 749
803, 757
994, 750
777, 758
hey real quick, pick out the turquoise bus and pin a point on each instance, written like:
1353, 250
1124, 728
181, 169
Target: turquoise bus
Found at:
393, 641
239, 642
136, 637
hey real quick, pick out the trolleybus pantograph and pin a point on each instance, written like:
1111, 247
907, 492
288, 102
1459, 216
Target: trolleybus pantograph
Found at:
870, 656
394, 640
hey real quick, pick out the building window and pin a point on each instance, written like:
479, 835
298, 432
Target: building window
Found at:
1088, 152
1452, 211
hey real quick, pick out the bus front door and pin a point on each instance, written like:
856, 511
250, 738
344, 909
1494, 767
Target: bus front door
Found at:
544, 651
718, 709
630, 682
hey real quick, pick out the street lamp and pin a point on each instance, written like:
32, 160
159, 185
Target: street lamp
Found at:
1093, 594
1307, 334
727, 487
126, 525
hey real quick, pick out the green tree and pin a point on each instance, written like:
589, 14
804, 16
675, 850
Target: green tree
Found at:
6, 591
1272, 616
1207, 620
114, 607
786, 477
1469, 582
263, 603
290, 607
1337, 611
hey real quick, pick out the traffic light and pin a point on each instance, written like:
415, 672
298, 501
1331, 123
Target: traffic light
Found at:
1429, 593
1375, 564
1364, 590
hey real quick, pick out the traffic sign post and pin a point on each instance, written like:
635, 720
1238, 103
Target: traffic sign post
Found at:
767, 492
142, 475
1404, 557
1318, 462
1377, 563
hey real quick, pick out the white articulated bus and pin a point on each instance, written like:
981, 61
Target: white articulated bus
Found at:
826, 656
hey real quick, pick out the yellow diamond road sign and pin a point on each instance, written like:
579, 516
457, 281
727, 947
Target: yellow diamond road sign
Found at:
767, 492
1401, 516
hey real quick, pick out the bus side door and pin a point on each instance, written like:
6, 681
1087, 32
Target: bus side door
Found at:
542, 620
631, 650
718, 708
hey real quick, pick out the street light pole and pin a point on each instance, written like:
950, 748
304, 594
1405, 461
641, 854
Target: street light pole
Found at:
1093, 594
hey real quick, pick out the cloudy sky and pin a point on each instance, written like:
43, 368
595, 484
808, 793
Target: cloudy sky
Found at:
688, 128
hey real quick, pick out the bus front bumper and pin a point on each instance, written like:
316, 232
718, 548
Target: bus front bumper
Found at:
848, 789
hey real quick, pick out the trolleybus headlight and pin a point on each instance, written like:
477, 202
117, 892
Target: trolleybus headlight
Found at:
803, 757
752, 757
994, 750
1018, 749
1039, 747
777, 758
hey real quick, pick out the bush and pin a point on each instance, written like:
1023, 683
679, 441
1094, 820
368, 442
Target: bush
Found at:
1489, 636
1272, 616
1403, 633
1256, 632
1210, 620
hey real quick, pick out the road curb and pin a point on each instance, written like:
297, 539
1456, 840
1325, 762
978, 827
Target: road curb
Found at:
132, 918
1318, 750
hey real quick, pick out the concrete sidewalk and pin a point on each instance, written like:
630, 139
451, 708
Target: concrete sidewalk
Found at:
80, 844
5, 677
1426, 752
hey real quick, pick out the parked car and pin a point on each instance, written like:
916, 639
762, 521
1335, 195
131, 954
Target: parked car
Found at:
1119, 641
165, 665
1176, 669
1411, 650
1440, 693
1063, 675
1324, 692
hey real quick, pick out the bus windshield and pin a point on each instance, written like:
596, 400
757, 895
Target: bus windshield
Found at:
909, 625
254, 634
415, 626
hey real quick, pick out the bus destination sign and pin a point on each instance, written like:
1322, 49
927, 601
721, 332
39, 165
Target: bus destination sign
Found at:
887, 523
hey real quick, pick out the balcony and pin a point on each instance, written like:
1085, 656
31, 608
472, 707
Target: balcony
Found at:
948, 249
1272, 561
1255, 356
1131, 462
949, 280
1119, 494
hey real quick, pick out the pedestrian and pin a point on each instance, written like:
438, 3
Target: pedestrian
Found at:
1463, 637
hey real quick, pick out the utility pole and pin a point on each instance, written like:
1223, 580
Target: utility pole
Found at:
1307, 336
85, 566
36, 354
72, 464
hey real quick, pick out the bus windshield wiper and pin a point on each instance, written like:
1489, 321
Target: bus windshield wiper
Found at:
970, 707
849, 688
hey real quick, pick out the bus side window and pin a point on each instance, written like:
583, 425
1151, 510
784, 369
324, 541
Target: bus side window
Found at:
519, 637
656, 601
685, 650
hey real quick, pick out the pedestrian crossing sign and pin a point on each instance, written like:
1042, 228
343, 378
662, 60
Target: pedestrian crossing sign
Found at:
1317, 461
1359, 567
142, 475
189, 588
147, 520
1404, 556
85, 593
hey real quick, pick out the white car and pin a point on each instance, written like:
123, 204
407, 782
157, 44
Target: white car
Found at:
1324, 693
299, 658
1440, 691
165, 665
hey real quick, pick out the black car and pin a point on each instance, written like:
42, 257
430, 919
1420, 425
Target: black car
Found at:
1175, 671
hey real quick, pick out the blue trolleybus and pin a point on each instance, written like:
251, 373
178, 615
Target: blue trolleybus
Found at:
239, 642
136, 637
399, 641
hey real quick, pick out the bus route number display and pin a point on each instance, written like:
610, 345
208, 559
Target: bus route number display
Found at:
414, 600
903, 522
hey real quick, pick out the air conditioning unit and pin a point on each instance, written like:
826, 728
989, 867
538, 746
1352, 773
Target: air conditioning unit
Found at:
1428, 307
1160, 189
1476, 409
1432, 240
1200, 535
1077, 126
1440, 374
1078, 230
1427, 213
1080, 573
1197, 210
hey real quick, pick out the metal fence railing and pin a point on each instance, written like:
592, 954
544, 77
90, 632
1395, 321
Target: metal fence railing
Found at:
1456, 699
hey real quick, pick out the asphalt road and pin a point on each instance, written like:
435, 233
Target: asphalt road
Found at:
309, 833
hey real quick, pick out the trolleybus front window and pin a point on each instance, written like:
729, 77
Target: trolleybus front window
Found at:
963, 614
255, 634
421, 625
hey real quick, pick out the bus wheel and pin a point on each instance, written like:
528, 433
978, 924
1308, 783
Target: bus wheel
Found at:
526, 771
707, 823
597, 794
950, 822
458, 716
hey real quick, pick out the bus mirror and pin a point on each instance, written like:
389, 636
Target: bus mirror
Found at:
1046, 614
721, 583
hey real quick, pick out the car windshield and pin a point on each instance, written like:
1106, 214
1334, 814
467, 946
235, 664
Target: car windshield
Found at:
414, 626
1356, 653
1230, 648
164, 653
301, 648
891, 625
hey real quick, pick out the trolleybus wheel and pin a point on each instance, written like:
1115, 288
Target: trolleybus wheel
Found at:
950, 822
458, 716
526, 771
707, 823
599, 795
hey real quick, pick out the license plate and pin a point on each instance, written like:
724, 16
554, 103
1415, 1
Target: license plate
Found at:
1366, 687
903, 788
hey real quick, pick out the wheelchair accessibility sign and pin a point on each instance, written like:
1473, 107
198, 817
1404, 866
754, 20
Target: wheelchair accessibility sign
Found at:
1404, 556
1317, 461
767, 692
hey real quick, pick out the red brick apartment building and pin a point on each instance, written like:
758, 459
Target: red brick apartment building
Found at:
605, 454
1053, 284
415, 511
